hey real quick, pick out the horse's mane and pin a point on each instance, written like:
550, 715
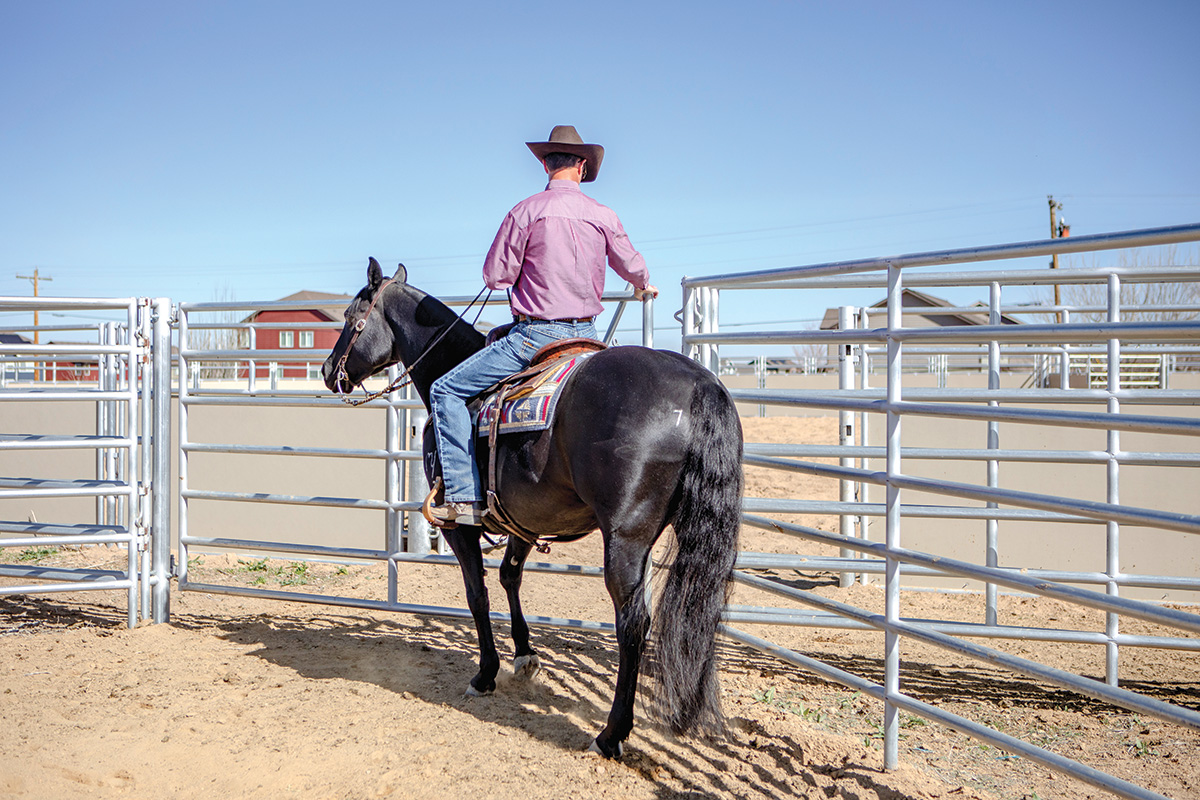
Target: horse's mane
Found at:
432, 314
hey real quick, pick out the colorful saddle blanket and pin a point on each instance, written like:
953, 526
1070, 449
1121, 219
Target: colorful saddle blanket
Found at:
530, 407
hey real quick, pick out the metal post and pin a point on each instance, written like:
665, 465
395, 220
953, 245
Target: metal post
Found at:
891, 680
687, 319
394, 473
399, 475
1064, 365
418, 487
647, 321
101, 422
142, 376
760, 372
846, 438
1113, 529
181, 567
706, 324
126, 506
113, 456
864, 358
993, 466
714, 326
160, 542
252, 364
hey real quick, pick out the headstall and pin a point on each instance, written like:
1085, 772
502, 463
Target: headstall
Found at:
402, 379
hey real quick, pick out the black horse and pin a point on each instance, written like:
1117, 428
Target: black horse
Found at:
641, 439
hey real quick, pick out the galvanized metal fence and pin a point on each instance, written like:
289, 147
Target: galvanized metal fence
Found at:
403, 537
132, 399
859, 342
116, 374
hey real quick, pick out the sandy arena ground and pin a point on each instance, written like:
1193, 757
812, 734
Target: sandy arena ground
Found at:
252, 698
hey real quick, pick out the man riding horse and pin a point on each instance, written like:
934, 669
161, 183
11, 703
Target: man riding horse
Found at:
550, 251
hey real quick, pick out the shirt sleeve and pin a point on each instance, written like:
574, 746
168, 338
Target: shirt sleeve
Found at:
623, 258
502, 267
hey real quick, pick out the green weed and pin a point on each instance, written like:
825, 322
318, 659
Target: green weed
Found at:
296, 573
768, 697
1141, 749
35, 554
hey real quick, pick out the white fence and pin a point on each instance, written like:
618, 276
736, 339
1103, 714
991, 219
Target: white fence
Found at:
891, 469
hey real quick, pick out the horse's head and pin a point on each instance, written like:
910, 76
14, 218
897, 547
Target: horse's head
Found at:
367, 343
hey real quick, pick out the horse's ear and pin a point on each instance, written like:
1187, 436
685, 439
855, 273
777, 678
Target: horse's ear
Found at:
374, 273
401, 275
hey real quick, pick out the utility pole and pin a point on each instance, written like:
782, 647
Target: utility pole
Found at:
1057, 230
35, 278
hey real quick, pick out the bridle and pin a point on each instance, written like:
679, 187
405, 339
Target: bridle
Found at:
403, 378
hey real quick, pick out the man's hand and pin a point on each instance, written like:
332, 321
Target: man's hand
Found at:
650, 291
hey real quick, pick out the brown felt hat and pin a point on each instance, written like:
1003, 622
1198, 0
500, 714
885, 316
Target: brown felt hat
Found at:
565, 139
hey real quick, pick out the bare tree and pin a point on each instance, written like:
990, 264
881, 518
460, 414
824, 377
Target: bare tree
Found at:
225, 336
1140, 301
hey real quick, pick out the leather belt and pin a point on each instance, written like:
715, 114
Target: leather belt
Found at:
575, 320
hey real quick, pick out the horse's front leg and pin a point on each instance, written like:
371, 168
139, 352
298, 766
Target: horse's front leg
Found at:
464, 541
525, 663
625, 562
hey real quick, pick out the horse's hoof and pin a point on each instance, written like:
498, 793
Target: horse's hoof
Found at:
526, 667
473, 692
600, 751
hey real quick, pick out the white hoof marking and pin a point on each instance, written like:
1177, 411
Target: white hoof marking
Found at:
595, 748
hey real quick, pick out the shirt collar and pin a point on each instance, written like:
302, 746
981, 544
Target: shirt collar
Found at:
563, 185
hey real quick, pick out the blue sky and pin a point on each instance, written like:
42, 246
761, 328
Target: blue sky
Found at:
253, 149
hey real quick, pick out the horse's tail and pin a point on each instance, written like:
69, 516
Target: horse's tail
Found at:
688, 608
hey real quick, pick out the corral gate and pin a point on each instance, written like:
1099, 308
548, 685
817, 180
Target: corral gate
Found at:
109, 397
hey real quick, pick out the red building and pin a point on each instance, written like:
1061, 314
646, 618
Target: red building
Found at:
306, 330
72, 371
62, 370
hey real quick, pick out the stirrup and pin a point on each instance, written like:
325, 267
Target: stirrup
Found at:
449, 516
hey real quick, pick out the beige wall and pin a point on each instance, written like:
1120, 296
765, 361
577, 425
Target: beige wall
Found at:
1031, 545
341, 427
825, 382
1065, 546
1062, 546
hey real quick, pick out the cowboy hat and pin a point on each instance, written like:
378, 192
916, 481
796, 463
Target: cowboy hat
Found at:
565, 139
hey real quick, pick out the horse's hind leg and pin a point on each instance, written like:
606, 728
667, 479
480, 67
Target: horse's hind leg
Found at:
464, 541
525, 663
625, 575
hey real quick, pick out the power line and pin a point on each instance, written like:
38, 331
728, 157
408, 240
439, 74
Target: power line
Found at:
844, 221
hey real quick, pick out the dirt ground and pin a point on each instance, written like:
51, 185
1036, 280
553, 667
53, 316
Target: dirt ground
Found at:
256, 698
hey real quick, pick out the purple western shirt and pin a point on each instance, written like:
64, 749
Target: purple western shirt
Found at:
551, 251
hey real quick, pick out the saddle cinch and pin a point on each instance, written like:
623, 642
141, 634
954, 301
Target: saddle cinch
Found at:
522, 402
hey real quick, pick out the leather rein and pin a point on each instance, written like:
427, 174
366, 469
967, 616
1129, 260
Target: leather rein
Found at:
403, 379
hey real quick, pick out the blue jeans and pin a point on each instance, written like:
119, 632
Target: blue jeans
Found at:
452, 425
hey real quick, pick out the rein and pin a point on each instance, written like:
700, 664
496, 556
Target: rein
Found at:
403, 379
